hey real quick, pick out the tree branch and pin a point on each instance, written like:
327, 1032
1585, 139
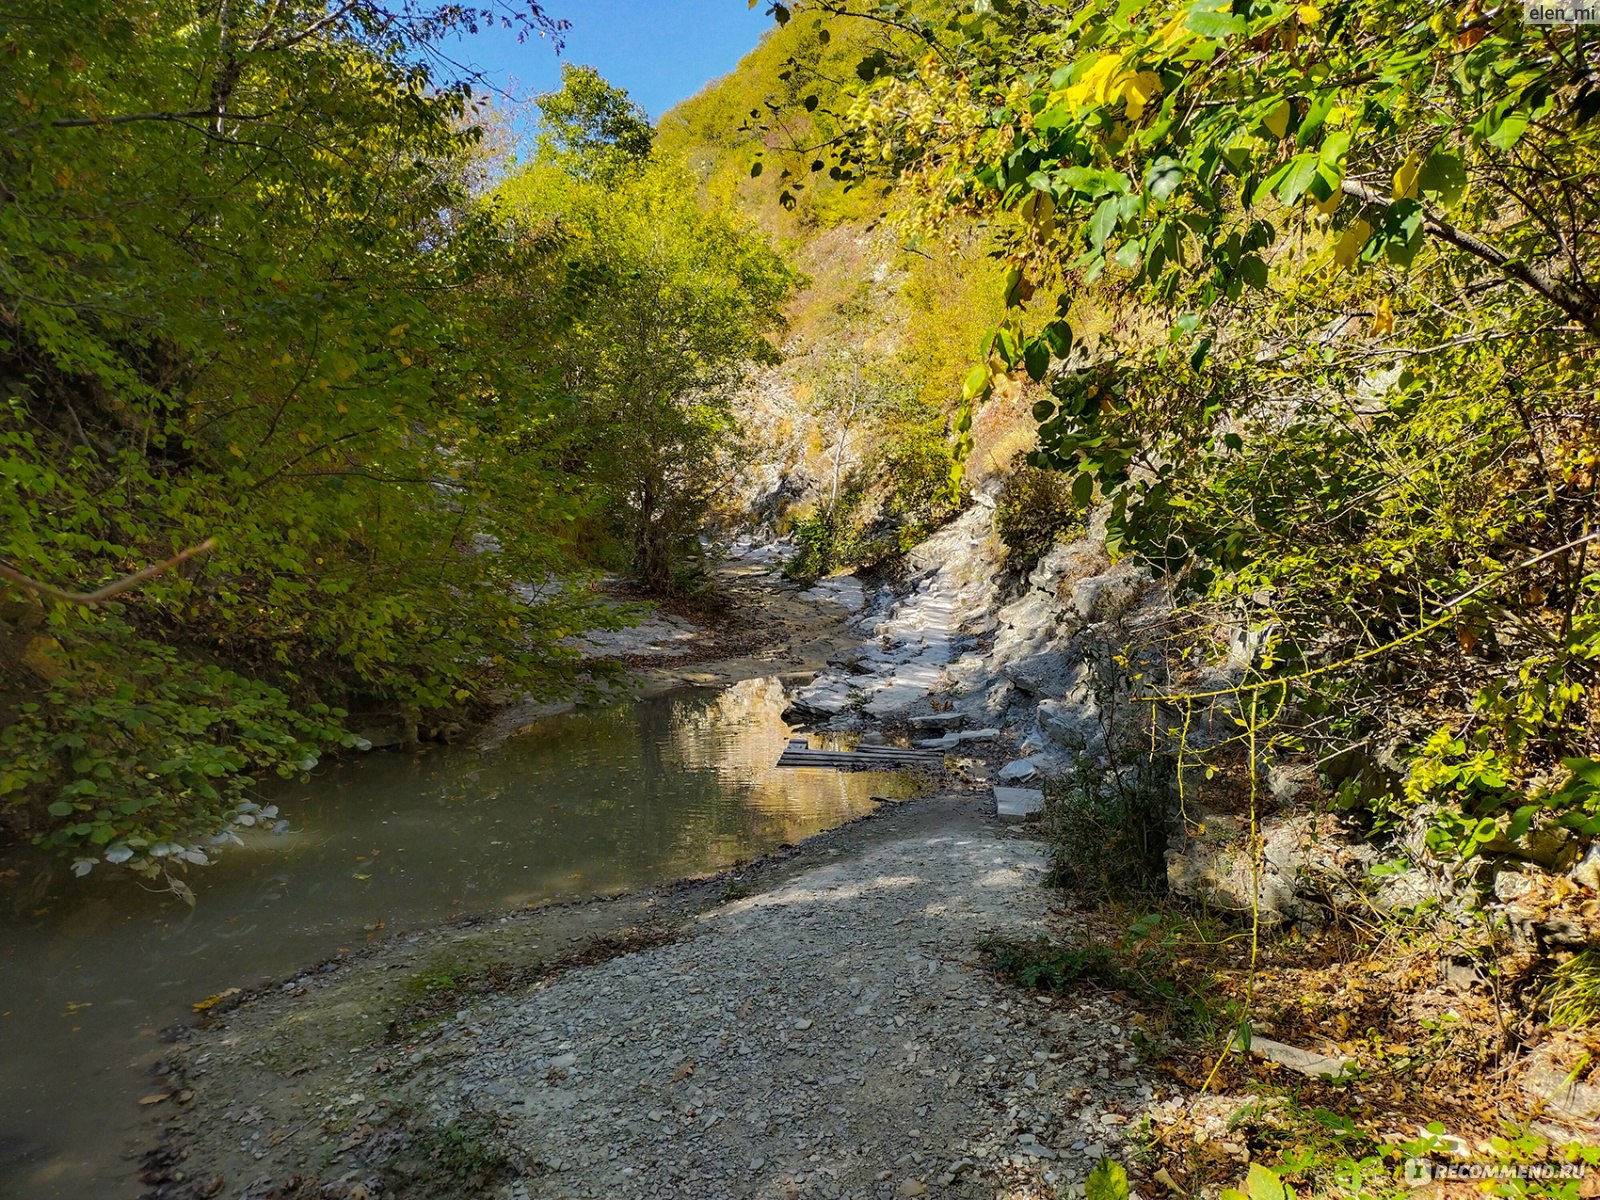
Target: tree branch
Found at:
126, 584
1576, 307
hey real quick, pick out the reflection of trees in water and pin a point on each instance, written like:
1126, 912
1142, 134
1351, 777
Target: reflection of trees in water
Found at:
740, 733
603, 798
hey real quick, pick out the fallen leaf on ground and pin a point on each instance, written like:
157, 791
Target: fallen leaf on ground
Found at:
211, 1002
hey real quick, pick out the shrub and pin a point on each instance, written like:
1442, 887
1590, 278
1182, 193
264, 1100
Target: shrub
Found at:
1035, 511
923, 493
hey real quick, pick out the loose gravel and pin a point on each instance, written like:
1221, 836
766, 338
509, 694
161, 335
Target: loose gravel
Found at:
838, 1036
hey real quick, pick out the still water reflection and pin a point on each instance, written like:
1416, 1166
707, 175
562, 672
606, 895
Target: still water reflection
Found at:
593, 801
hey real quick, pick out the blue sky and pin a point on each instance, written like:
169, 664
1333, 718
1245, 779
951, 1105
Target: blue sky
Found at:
661, 51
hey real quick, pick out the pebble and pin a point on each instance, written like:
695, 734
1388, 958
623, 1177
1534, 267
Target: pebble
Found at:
694, 1081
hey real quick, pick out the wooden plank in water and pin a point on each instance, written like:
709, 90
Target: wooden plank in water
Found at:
798, 753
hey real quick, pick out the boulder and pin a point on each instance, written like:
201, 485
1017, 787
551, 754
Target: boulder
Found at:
1019, 771
1306, 1062
1073, 723
1016, 803
1289, 782
1215, 866
1587, 872
844, 590
818, 701
1107, 596
1551, 847
1552, 1079
1053, 673
1246, 642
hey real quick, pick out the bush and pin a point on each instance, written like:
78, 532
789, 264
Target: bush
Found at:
1108, 832
923, 493
830, 539
1034, 512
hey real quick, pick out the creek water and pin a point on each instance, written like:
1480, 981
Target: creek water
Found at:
593, 801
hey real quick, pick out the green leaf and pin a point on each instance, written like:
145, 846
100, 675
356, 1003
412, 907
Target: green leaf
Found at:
1163, 178
61, 808
1059, 335
1108, 1181
1103, 222
1205, 20
1334, 148
1036, 358
1262, 1183
1443, 179
1316, 113
1401, 234
1586, 769
1082, 489
1509, 132
1296, 177
1091, 181
976, 384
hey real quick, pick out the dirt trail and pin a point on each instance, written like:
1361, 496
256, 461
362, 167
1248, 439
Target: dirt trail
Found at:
834, 1033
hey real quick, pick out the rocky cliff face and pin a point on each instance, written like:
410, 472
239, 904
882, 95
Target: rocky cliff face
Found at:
1037, 668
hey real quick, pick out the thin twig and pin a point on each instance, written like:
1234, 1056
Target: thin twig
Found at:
111, 590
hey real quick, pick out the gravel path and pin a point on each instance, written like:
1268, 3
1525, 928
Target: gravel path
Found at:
837, 1036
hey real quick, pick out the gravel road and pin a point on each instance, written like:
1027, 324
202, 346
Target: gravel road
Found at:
837, 1036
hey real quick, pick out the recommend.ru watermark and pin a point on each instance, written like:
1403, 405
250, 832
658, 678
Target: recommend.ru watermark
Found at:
1422, 1170
1536, 13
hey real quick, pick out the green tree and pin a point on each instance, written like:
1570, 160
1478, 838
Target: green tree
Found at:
591, 128
670, 304
248, 294
1314, 292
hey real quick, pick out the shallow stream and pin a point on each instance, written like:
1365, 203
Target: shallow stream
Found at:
593, 801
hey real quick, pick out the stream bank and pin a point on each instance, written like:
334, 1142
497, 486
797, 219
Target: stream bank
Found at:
820, 1022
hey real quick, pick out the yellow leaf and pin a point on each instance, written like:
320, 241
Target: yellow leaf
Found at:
1405, 178
1137, 90
358, 875
399, 331
211, 1002
1309, 14
1328, 206
1383, 319
1095, 87
1348, 247
1277, 121
235, 451
405, 360
1174, 32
